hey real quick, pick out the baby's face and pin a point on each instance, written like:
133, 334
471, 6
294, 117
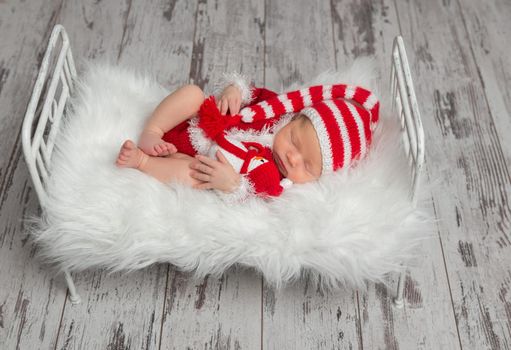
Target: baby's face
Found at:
297, 152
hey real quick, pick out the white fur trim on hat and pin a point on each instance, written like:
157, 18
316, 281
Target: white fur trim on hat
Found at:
323, 137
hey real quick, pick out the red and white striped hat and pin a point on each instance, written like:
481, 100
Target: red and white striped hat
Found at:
343, 128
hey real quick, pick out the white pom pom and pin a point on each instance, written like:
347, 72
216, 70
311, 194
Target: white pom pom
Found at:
286, 183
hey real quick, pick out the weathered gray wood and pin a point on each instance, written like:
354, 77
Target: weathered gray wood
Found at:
299, 46
468, 155
31, 299
220, 313
365, 28
125, 311
458, 53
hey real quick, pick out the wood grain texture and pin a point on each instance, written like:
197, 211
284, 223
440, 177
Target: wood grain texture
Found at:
468, 155
458, 297
125, 310
299, 316
219, 313
31, 299
367, 28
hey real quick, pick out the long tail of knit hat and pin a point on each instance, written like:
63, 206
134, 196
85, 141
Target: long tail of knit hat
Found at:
295, 101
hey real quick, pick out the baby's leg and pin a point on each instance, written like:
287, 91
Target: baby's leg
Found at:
177, 107
174, 168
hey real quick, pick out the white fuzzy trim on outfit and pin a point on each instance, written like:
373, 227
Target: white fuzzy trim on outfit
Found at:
238, 80
200, 142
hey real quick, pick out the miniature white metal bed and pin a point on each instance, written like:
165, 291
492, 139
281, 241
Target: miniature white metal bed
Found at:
54, 85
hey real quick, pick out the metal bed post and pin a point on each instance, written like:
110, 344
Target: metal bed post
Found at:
404, 102
38, 144
74, 297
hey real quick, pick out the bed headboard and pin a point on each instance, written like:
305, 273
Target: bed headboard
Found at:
51, 91
404, 102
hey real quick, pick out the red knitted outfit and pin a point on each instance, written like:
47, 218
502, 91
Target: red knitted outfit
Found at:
179, 136
265, 180
343, 129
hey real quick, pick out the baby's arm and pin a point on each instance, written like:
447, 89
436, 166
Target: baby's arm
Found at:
177, 107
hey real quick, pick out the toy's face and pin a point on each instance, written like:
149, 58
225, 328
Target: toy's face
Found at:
297, 152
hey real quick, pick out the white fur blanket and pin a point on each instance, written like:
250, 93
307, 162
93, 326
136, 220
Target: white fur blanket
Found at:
345, 228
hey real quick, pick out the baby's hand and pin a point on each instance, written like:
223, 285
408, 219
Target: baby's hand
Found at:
215, 174
230, 99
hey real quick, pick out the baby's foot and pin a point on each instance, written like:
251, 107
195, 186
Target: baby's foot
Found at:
130, 156
151, 143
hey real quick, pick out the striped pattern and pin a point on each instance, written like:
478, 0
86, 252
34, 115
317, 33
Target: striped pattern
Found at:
295, 101
343, 131
343, 128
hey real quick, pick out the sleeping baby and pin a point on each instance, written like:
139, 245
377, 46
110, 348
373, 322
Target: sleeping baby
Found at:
271, 143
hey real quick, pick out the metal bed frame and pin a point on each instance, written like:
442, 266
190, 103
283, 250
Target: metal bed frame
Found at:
55, 84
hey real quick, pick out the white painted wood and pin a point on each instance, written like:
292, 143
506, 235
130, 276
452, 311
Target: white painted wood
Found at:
219, 313
299, 46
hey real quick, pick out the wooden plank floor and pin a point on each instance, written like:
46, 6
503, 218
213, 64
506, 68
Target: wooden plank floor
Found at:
459, 295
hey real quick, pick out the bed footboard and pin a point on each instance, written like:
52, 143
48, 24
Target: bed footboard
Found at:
47, 104
404, 102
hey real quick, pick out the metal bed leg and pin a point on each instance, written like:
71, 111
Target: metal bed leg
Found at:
398, 300
74, 297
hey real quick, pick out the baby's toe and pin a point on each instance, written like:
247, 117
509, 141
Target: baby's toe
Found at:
171, 148
158, 149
